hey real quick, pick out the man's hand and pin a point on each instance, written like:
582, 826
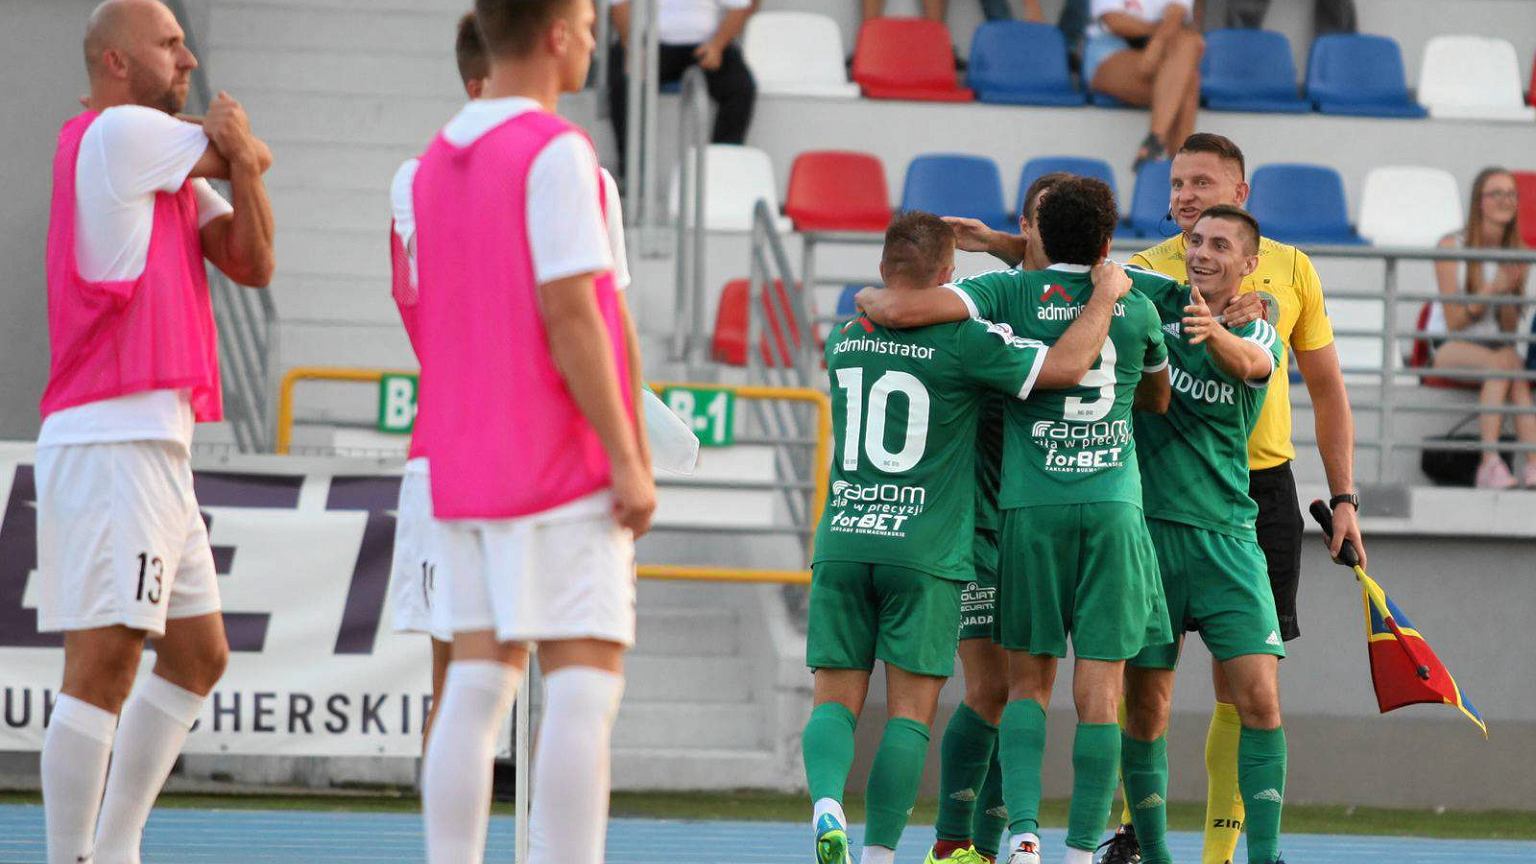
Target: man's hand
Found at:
1346, 527
1111, 280
709, 56
1199, 323
229, 129
634, 497
971, 235
1243, 309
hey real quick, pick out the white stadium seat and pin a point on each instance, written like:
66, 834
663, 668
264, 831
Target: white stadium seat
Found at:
1409, 206
1472, 77
738, 177
797, 54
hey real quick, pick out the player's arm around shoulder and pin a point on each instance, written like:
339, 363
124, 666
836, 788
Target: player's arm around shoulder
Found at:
1249, 357
905, 308
1154, 391
1079, 347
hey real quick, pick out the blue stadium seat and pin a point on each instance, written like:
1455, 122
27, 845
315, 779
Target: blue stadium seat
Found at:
845, 307
1098, 169
1359, 75
1149, 203
1019, 63
1250, 70
1301, 204
952, 184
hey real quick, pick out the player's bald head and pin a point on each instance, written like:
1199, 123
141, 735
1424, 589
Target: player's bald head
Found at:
135, 52
118, 23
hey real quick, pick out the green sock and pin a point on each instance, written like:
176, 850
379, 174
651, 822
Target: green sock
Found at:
991, 813
1261, 758
1144, 765
893, 780
1021, 740
827, 745
968, 746
1095, 774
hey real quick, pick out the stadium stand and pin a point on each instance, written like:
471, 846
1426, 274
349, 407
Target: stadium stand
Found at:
729, 342
1250, 70
907, 58
1021, 63
1301, 204
738, 177
797, 54
1083, 167
845, 304
836, 190
1525, 181
1149, 203
1409, 206
1359, 75
954, 184
1472, 77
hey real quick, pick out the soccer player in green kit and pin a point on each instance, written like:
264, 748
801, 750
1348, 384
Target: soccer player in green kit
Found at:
893, 549
1075, 556
1195, 492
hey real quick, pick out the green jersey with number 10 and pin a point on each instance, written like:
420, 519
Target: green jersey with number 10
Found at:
1072, 446
905, 405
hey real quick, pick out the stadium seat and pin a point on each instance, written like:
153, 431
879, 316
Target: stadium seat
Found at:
1421, 355
1250, 70
1472, 77
738, 178
837, 190
907, 58
1525, 182
1149, 202
1301, 204
1020, 63
1359, 75
729, 344
797, 54
845, 304
1039, 166
951, 184
1409, 206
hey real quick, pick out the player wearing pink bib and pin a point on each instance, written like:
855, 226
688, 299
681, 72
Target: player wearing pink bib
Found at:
123, 552
540, 472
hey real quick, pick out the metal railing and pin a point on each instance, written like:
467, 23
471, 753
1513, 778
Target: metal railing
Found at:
247, 318
1385, 378
692, 140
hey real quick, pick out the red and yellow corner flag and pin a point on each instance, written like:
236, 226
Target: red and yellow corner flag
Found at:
1404, 669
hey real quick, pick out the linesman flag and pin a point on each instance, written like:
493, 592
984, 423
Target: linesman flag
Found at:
1404, 669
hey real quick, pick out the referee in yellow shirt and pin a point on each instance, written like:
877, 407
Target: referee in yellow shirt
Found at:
1209, 170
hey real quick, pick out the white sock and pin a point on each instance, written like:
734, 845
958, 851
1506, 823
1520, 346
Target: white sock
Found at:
456, 770
1078, 856
1016, 839
154, 726
825, 806
569, 822
76, 748
878, 855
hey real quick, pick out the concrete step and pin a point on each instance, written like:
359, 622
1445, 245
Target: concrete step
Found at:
395, 30
688, 679
684, 725
688, 632
361, 300
354, 210
688, 768
327, 165
241, 68
284, 117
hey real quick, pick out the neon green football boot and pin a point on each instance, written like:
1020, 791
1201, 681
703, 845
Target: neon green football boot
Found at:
832, 841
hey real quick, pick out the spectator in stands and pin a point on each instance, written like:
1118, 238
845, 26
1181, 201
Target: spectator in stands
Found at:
934, 10
1147, 53
1328, 16
699, 33
1463, 327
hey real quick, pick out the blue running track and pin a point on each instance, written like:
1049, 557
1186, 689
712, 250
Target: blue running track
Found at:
299, 837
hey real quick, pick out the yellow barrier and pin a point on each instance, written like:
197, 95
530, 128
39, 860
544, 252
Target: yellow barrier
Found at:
821, 463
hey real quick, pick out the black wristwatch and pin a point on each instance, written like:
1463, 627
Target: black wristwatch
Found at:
1350, 498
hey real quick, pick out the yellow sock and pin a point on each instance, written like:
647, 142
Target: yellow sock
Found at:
1223, 803
1125, 803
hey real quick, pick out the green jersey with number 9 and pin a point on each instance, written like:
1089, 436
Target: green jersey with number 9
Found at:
1072, 446
905, 406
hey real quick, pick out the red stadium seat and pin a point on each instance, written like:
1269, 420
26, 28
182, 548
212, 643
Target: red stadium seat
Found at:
1421, 355
1525, 182
907, 58
729, 344
838, 190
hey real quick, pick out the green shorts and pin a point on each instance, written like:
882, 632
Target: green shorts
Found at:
978, 599
861, 613
1087, 570
1218, 585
